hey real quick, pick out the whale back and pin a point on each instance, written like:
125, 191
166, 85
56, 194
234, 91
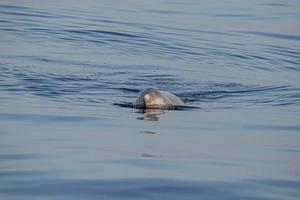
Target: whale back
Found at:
171, 99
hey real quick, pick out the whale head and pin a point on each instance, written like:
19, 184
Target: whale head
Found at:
153, 98
150, 98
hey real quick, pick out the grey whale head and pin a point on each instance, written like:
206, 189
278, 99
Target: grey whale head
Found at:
156, 99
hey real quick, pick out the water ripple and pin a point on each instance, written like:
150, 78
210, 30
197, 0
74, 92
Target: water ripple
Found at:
152, 188
74, 87
272, 35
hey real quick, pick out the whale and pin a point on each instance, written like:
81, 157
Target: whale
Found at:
156, 99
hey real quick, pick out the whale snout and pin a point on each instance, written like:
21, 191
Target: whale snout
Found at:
146, 98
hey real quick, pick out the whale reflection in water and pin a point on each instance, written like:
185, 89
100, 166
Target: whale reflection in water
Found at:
151, 114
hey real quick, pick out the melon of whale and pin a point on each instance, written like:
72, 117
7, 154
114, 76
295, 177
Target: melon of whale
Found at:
154, 98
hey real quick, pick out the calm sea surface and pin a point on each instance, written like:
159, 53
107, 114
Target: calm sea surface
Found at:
64, 65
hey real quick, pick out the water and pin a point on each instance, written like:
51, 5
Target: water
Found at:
64, 67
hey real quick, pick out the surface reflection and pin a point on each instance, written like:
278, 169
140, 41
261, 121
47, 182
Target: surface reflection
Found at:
151, 114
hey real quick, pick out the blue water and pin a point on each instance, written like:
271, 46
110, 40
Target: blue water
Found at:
66, 66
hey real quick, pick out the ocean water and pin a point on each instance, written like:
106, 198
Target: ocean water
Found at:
65, 66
